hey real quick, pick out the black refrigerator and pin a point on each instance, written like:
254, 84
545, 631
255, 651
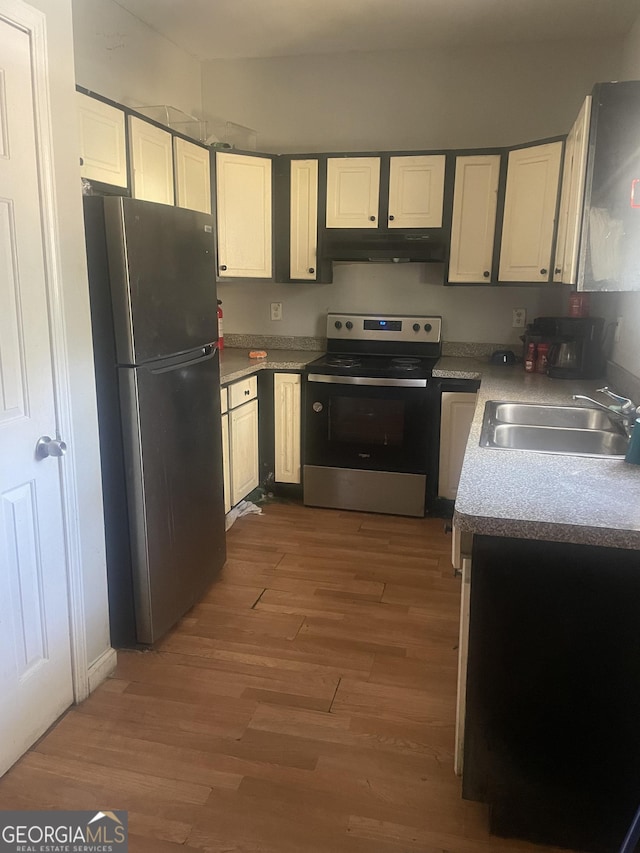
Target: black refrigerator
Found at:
153, 311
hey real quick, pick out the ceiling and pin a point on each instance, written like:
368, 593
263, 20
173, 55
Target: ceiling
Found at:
228, 29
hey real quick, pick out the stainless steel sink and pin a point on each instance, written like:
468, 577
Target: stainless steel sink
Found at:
577, 442
575, 417
571, 430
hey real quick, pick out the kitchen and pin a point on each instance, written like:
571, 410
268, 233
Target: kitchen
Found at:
110, 61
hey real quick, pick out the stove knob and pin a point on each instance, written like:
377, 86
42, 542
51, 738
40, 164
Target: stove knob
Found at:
349, 324
338, 324
416, 327
428, 327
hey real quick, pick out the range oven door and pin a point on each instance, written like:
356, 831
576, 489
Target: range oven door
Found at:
383, 425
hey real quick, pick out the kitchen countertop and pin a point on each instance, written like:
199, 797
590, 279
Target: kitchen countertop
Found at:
236, 364
539, 495
515, 492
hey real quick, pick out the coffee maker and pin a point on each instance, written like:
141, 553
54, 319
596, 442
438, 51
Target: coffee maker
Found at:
575, 345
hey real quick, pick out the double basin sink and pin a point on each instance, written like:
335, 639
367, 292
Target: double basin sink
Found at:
572, 430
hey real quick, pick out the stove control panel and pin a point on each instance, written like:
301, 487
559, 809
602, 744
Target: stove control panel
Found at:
384, 327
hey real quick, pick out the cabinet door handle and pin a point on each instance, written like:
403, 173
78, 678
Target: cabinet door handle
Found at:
372, 219
543, 272
486, 274
246, 393
223, 267
311, 269
557, 270
391, 217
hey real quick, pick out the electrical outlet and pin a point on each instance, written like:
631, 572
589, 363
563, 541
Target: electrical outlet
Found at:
618, 332
276, 310
519, 318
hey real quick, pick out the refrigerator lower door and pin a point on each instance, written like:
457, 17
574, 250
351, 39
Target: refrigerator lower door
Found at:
173, 456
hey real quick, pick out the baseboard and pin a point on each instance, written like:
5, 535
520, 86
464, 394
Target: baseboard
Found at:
102, 668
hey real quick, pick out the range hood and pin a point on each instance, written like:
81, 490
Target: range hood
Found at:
385, 247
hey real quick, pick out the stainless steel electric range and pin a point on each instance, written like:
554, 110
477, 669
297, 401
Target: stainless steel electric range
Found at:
369, 414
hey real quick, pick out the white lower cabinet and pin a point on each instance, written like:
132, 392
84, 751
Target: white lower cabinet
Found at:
456, 416
243, 450
286, 405
240, 454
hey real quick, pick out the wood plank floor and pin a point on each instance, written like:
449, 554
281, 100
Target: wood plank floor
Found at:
306, 705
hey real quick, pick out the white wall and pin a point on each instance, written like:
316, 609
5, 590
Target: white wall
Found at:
479, 314
120, 57
391, 100
75, 299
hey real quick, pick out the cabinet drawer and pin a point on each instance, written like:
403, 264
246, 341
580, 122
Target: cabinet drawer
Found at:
224, 401
242, 392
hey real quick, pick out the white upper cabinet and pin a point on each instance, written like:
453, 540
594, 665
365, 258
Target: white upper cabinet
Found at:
151, 161
304, 220
243, 199
572, 198
416, 191
475, 198
193, 175
103, 149
529, 212
353, 188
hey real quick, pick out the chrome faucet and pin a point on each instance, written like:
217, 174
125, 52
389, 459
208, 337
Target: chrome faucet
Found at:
626, 409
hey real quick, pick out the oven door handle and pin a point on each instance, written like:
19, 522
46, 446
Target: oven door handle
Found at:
367, 380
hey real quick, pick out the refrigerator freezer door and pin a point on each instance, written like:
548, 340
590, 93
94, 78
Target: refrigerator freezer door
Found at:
163, 284
173, 455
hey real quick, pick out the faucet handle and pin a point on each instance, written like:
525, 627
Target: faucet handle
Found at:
627, 405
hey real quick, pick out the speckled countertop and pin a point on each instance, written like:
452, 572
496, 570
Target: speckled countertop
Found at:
235, 363
539, 495
514, 492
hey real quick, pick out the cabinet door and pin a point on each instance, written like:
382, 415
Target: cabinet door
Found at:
304, 219
353, 189
102, 141
455, 422
151, 161
572, 199
475, 198
243, 198
416, 191
529, 212
226, 465
463, 657
193, 175
286, 393
243, 449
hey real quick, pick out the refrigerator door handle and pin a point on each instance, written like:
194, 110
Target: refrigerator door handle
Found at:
204, 354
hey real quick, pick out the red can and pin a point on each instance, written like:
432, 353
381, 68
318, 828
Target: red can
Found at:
579, 305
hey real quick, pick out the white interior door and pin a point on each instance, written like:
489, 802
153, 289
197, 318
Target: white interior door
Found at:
35, 658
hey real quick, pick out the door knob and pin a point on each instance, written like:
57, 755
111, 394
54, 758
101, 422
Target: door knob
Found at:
47, 446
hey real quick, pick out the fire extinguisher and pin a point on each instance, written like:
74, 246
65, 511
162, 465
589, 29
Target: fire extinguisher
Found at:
220, 331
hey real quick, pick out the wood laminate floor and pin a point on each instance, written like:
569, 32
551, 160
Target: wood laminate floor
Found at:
306, 705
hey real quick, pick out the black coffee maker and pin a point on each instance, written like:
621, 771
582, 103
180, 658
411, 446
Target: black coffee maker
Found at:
576, 346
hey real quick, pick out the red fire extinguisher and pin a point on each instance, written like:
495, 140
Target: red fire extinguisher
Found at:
220, 330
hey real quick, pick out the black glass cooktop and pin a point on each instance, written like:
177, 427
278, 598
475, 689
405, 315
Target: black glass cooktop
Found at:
373, 366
